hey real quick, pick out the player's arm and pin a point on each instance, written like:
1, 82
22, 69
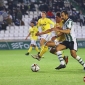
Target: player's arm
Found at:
68, 29
27, 36
53, 38
45, 32
51, 22
38, 23
36, 30
60, 34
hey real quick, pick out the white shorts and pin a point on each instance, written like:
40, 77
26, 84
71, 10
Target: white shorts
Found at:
47, 37
75, 45
33, 42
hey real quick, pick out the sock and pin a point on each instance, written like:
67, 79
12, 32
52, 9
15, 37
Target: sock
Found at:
37, 49
30, 49
42, 47
43, 50
60, 57
62, 54
80, 61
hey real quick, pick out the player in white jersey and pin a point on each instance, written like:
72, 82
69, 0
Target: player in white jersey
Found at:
70, 41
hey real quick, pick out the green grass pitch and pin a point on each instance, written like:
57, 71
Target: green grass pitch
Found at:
15, 69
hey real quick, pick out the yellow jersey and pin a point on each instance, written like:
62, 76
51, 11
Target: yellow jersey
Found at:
45, 23
33, 31
62, 37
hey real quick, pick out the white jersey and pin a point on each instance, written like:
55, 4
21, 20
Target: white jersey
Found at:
69, 25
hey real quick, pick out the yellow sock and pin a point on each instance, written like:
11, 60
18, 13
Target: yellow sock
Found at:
37, 49
30, 49
43, 50
42, 47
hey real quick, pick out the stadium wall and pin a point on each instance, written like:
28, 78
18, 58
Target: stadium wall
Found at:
15, 45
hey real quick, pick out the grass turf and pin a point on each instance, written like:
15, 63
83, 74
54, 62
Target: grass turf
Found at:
15, 69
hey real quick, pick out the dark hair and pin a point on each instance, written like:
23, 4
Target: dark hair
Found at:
65, 12
58, 14
33, 22
43, 12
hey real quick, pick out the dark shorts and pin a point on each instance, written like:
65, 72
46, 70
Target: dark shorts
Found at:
71, 45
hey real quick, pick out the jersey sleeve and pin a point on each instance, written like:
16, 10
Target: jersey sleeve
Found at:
29, 30
69, 24
51, 22
38, 23
36, 29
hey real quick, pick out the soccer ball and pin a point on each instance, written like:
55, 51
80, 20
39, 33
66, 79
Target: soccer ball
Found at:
35, 68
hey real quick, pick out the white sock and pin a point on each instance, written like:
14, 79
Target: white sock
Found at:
60, 57
80, 61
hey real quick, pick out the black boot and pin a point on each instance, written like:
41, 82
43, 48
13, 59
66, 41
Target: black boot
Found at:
27, 53
60, 66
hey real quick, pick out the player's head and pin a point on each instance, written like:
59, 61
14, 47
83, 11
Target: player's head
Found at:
32, 23
64, 15
58, 17
43, 14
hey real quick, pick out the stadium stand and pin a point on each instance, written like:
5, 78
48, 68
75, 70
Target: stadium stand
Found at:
17, 31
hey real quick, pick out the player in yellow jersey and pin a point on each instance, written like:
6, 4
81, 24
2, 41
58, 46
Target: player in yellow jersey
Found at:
45, 24
59, 23
33, 30
55, 41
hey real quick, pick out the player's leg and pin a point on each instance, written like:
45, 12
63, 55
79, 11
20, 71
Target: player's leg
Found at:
53, 51
73, 48
30, 48
42, 51
37, 49
78, 58
42, 41
35, 45
44, 47
47, 43
60, 55
40, 55
46, 38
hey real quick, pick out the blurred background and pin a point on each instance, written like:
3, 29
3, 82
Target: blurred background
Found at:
15, 17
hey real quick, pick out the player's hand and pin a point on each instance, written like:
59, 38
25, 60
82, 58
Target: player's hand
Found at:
57, 29
38, 34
